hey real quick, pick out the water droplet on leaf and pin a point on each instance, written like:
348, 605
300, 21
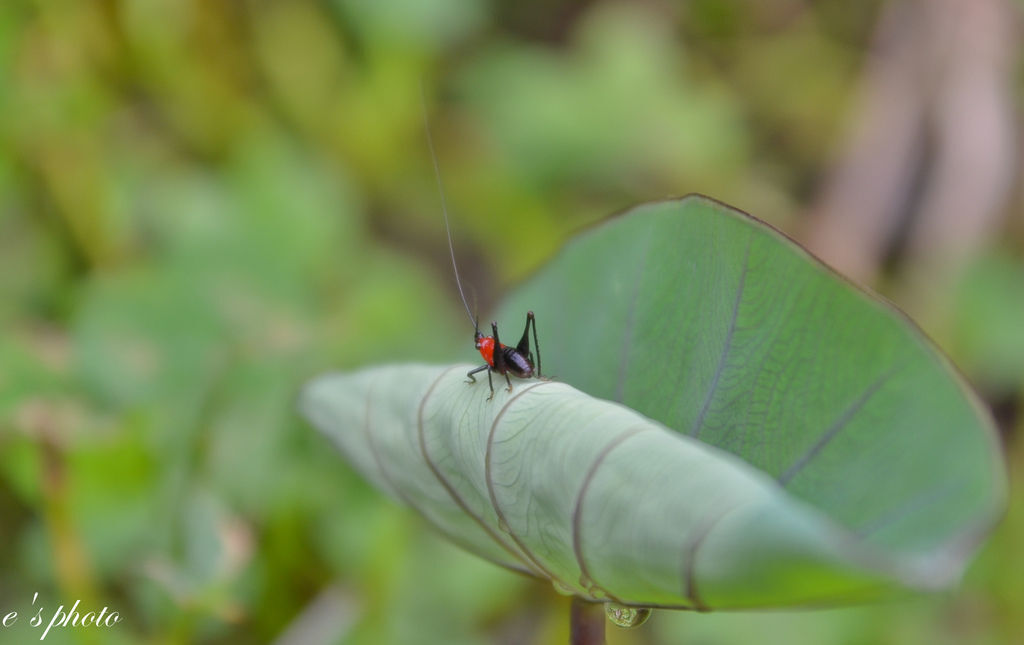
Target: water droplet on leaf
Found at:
624, 616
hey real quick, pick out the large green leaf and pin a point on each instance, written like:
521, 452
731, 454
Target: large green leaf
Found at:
804, 442
604, 502
718, 326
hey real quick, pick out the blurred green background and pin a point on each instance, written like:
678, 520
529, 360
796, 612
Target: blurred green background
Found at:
202, 204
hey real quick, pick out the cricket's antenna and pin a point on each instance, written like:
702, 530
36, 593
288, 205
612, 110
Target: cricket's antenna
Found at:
444, 207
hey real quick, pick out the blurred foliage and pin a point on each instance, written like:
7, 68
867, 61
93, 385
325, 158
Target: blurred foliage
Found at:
204, 203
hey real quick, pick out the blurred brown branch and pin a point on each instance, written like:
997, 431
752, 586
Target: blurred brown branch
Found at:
932, 145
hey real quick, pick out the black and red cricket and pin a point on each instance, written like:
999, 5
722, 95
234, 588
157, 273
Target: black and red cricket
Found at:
518, 360
498, 358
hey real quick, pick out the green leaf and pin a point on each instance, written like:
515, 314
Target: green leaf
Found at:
801, 441
550, 481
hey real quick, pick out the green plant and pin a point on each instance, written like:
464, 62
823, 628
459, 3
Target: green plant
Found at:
731, 425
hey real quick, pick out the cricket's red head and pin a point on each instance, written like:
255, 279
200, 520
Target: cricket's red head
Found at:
485, 344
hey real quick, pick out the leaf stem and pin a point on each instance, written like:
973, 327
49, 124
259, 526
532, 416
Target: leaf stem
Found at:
586, 622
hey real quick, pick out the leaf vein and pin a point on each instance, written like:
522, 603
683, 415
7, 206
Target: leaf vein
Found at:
489, 480
454, 494
577, 513
699, 423
627, 332
837, 425
408, 501
690, 548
